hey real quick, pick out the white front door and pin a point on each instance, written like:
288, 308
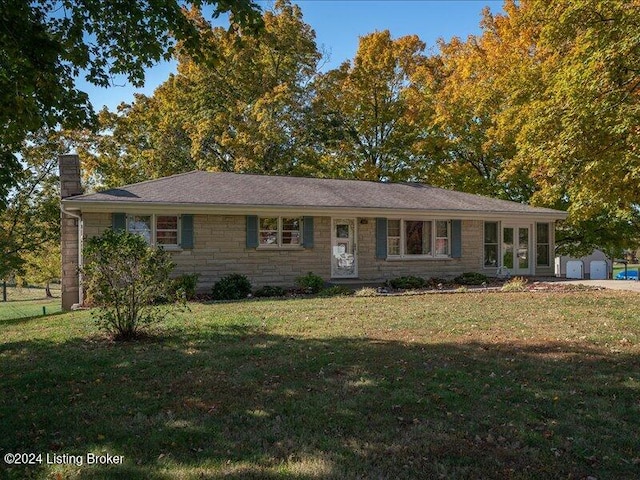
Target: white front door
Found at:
516, 249
344, 261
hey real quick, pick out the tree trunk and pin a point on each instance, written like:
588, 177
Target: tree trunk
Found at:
4, 290
47, 290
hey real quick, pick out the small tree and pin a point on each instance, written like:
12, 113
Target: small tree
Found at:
43, 266
126, 279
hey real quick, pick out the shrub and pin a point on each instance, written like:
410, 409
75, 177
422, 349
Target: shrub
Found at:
407, 283
186, 284
124, 277
471, 278
516, 284
269, 291
310, 282
231, 287
335, 291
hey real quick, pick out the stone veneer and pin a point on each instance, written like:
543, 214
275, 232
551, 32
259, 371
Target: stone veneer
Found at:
220, 249
70, 186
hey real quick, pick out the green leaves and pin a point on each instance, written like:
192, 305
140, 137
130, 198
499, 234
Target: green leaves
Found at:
126, 278
46, 43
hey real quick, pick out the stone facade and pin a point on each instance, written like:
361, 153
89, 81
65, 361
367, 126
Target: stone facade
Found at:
70, 186
220, 249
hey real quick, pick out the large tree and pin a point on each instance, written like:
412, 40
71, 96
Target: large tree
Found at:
544, 107
238, 108
46, 44
31, 218
371, 117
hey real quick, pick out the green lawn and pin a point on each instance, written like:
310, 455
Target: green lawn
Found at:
28, 302
454, 386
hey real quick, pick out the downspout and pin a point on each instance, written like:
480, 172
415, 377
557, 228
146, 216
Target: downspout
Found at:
80, 258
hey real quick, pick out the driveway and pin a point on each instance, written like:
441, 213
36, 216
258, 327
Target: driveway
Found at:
629, 285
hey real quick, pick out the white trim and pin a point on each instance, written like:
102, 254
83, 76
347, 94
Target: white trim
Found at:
516, 226
535, 236
498, 245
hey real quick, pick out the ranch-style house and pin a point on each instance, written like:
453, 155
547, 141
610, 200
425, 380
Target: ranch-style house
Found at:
275, 228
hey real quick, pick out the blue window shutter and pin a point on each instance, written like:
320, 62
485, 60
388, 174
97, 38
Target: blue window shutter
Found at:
118, 221
381, 237
456, 238
252, 231
186, 231
307, 232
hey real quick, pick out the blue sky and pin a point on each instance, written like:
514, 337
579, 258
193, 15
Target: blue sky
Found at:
338, 24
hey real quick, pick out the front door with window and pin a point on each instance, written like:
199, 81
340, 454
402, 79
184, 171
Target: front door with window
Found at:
344, 262
516, 250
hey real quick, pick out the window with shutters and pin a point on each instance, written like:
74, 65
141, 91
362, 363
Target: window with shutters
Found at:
418, 238
280, 232
160, 230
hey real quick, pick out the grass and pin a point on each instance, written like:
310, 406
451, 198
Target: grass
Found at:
618, 267
28, 302
457, 386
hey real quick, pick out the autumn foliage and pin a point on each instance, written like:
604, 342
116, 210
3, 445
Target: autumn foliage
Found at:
541, 107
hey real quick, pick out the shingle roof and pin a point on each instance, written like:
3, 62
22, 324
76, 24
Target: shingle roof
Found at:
232, 189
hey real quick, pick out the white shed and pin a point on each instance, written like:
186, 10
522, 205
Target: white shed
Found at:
597, 256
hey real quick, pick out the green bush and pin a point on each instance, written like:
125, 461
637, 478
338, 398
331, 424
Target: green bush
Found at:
407, 283
310, 282
270, 291
471, 278
124, 278
335, 291
186, 284
231, 287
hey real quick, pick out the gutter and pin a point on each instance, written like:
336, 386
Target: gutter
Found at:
322, 211
80, 242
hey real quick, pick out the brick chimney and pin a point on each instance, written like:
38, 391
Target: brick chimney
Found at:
70, 230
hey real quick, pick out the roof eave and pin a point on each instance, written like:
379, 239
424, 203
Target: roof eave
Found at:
194, 208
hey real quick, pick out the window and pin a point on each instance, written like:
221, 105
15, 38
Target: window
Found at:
155, 229
490, 244
393, 237
542, 244
140, 225
442, 238
167, 230
418, 237
280, 231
